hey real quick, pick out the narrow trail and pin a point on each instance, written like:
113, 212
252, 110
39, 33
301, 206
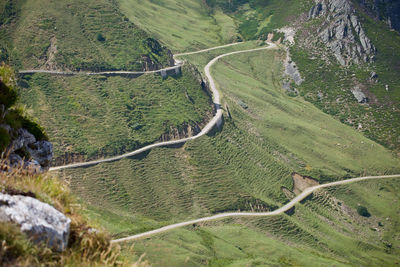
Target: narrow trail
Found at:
215, 121
71, 73
281, 210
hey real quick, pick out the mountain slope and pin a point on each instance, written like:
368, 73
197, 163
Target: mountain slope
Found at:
244, 167
90, 117
76, 35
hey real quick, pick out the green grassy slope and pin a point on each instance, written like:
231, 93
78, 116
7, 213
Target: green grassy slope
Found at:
324, 231
257, 18
75, 35
182, 25
97, 115
242, 167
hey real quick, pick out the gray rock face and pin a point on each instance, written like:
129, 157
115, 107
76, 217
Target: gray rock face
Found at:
40, 221
292, 74
42, 152
359, 95
24, 138
342, 32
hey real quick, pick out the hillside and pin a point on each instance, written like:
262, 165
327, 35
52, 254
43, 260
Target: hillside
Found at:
243, 167
320, 106
35, 207
73, 35
90, 117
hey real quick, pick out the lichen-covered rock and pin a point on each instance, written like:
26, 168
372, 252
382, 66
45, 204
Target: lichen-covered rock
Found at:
342, 32
40, 221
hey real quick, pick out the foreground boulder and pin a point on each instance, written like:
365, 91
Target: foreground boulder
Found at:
40, 221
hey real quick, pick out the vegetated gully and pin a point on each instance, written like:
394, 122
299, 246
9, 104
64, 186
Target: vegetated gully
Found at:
215, 121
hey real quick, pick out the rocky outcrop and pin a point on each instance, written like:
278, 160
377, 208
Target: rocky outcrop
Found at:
342, 32
40, 221
42, 152
25, 150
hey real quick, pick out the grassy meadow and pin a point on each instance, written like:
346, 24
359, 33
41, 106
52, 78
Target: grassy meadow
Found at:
181, 25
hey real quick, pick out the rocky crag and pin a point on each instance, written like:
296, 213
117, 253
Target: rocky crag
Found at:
342, 31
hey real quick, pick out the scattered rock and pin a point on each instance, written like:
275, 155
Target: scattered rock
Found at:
359, 95
289, 34
292, 73
387, 88
373, 75
40, 221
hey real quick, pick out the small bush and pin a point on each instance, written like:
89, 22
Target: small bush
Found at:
4, 139
363, 211
8, 94
100, 37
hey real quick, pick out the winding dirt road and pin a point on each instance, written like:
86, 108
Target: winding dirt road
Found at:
216, 120
281, 210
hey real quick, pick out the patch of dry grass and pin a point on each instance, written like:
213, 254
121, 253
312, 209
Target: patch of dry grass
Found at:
86, 247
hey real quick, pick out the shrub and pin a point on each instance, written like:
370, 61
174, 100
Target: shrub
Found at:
100, 37
4, 139
8, 94
363, 211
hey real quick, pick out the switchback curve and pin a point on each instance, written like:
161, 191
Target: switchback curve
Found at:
216, 120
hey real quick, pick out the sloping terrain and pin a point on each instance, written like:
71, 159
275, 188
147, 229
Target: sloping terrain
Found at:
329, 85
182, 25
318, 127
243, 167
76, 35
92, 116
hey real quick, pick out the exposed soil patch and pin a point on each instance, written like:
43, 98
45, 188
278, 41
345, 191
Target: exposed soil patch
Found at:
51, 55
302, 182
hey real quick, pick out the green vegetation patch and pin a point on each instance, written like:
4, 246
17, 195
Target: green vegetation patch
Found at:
76, 35
98, 115
183, 25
